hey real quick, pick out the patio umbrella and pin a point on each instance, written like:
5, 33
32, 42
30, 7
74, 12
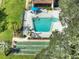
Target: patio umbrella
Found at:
35, 9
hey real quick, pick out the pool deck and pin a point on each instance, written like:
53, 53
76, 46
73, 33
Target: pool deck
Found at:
29, 24
26, 39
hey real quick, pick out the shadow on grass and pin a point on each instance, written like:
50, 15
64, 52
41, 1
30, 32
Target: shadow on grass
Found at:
3, 16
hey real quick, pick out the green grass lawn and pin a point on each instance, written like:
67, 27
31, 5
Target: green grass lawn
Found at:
2, 56
14, 10
6, 35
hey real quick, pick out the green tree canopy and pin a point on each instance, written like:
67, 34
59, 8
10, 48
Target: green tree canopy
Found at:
67, 42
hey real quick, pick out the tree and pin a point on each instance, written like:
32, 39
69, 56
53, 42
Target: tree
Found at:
67, 42
70, 13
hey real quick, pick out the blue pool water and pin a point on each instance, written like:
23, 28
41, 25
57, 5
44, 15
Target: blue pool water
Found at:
43, 24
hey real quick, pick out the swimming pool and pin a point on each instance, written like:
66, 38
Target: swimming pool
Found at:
43, 24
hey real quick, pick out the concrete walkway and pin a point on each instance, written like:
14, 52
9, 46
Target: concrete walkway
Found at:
27, 4
26, 39
0, 2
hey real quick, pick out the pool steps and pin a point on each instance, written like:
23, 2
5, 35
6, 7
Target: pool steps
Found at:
31, 47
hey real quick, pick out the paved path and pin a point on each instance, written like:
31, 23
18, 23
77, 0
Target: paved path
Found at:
0, 2
26, 39
27, 4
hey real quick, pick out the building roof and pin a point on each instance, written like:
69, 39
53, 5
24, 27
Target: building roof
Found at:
41, 1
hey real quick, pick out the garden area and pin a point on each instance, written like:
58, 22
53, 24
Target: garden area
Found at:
11, 14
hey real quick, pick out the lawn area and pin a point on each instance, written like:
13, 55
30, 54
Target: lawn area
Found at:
14, 10
2, 56
6, 35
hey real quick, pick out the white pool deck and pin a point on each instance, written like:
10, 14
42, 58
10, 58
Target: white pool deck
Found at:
29, 23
